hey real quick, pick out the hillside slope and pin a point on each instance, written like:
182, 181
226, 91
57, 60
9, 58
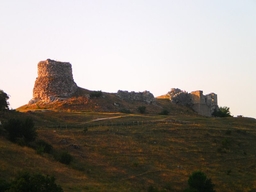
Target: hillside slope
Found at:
130, 152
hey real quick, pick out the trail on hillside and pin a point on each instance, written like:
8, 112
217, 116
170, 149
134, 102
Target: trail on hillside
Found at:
106, 118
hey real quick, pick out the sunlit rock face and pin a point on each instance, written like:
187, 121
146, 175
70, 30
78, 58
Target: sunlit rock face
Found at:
54, 82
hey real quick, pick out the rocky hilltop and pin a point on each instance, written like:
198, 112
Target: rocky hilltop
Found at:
54, 82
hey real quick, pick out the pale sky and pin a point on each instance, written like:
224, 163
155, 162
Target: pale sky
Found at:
134, 45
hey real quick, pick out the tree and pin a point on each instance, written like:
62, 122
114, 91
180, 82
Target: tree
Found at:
20, 129
164, 112
142, 109
3, 101
26, 182
222, 112
65, 158
198, 182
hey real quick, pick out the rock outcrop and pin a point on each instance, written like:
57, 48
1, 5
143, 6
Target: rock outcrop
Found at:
145, 96
54, 82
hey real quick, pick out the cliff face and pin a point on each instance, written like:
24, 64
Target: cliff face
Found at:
54, 82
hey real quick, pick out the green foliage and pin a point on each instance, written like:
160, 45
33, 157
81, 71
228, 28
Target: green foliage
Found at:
43, 147
3, 101
95, 94
4, 185
198, 182
26, 182
228, 132
164, 112
152, 189
18, 129
222, 112
64, 157
142, 109
124, 111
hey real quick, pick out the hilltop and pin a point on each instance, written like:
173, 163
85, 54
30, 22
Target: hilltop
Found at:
55, 89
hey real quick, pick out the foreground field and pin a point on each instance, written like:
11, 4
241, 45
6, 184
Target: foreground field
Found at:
131, 152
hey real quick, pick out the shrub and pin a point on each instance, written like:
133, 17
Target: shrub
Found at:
221, 112
95, 94
26, 182
4, 185
124, 111
65, 158
142, 109
198, 182
44, 146
164, 112
20, 129
152, 189
3, 101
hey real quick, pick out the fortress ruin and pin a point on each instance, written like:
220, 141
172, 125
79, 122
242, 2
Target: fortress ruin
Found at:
202, 104
54, 81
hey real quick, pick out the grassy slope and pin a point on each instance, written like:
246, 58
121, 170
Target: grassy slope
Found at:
132, 151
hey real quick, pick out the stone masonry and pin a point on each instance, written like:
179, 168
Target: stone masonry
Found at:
145, 96
54, 81
202, 104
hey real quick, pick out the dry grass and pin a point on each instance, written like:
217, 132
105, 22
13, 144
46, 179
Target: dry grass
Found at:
132, 152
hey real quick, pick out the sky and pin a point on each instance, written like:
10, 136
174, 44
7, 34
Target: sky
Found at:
134, 45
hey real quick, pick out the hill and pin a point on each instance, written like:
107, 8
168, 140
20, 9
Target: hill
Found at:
131, 152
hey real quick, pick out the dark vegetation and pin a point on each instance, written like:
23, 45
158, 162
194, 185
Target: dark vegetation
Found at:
20, 130
142, 109
222, 112
164, 112
95, 94
4, 105
198, 182
27, 182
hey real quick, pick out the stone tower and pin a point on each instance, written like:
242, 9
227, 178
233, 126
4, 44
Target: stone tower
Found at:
204, 104
54, 82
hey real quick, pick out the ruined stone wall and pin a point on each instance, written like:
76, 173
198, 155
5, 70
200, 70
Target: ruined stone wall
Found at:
145, 96
55, 81
204, 104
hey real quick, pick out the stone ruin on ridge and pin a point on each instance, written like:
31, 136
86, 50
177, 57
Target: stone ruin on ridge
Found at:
145, 96
203, 104
54, 82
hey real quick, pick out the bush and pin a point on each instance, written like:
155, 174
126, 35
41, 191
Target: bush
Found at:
152, 189
3, 101
95, 94
42, 146
4, 185
198, 182
20, 129
124, 111
26, 182
164, 112
65, 158
221, 112
142, 109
